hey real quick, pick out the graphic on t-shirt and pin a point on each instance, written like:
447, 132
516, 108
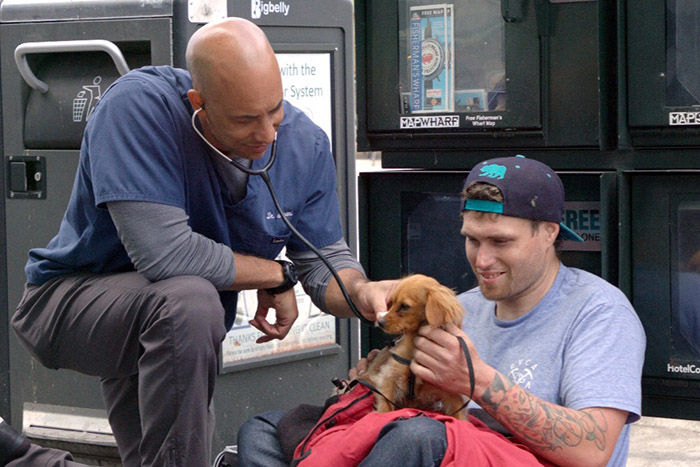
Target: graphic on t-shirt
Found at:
86, 100
522, 372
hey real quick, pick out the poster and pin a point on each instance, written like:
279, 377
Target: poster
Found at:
313, 328
583, 217
431, 39
306, 79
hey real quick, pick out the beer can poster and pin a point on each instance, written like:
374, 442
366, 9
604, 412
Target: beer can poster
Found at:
431, 49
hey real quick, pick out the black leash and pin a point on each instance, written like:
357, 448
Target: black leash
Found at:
470, 368
412, 378
371, 387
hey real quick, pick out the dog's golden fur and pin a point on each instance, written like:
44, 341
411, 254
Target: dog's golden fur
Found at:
417, 300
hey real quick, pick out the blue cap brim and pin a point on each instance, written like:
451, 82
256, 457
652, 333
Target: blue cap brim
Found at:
568, 234
494, 206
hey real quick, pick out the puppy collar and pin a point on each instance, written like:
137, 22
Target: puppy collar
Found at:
411, 377
400, 359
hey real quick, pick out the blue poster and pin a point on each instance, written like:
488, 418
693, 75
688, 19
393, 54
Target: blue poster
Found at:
432, 56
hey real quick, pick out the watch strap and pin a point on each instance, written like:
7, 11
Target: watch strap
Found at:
290, 278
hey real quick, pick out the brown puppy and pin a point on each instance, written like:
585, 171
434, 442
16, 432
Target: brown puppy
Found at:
417, 300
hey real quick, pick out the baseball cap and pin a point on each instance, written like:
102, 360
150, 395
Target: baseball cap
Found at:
531, 190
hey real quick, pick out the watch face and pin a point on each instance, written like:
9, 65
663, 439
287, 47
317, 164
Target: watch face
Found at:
291, 270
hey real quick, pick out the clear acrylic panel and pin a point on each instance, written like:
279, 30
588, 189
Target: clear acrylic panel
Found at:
685, 315
431, 241
452, 56
682, 53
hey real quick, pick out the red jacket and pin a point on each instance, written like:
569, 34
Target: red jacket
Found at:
349, 428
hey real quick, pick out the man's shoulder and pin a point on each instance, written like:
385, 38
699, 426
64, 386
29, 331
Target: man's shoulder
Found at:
579, 282
296, 118
164, 80
596, 300
161, 73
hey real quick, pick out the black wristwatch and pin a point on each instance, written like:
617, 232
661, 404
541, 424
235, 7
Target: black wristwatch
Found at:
290, 278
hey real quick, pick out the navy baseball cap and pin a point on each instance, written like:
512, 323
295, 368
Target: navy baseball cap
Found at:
531, 190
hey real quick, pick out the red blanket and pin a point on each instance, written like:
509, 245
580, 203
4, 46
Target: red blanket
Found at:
348, 429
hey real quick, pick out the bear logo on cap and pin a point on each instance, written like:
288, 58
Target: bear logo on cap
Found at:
493, 171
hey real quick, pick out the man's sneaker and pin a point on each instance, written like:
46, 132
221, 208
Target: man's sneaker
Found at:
227, 458
12, 444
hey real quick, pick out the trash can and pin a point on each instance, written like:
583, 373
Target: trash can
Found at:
56, 59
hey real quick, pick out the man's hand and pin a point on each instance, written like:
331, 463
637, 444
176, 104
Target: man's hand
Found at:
286, 312
370, 298
439, 358
362, 365
374, 297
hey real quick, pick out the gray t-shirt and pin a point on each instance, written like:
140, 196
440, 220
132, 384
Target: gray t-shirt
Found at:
581, 346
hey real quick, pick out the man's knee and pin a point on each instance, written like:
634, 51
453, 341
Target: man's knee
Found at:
263, 424
417, 430
194, 308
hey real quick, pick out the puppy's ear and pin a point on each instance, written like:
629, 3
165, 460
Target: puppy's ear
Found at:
442, 307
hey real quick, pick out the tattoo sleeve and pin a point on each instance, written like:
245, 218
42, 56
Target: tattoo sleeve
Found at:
540, 424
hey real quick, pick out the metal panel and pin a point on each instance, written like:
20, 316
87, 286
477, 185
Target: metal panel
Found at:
4, 328
379, 113
664, 210
32, 222
24, 11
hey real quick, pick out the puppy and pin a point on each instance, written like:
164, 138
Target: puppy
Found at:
417, 300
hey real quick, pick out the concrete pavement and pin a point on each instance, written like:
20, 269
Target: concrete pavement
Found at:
664, 442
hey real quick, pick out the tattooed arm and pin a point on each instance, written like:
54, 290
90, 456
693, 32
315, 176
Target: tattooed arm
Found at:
564, 436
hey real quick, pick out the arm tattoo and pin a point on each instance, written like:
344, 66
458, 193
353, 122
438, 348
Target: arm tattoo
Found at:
541, 424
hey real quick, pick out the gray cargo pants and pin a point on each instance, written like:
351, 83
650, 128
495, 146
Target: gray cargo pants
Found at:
154, 345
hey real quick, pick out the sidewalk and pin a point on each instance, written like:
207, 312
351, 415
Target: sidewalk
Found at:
664, 442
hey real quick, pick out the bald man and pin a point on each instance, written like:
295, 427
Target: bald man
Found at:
139, 286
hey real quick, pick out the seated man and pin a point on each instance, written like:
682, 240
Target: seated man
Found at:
557, 352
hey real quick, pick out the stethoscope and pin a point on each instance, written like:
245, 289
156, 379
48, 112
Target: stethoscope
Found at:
264, 174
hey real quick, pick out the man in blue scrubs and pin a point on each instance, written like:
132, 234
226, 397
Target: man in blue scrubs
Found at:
139, 286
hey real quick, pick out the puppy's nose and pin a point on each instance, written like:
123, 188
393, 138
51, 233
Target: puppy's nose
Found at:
381, 319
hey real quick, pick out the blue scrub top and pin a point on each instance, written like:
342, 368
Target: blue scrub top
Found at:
139, 145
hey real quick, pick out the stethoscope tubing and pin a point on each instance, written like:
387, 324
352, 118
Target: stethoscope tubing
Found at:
264, 174
238, 165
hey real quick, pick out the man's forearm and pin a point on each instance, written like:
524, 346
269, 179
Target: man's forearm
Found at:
335, 300
562, 435
256, 273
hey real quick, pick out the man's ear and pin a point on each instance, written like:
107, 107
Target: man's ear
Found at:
196, 99
552, 230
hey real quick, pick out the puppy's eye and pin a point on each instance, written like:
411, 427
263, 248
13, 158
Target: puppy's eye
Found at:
402, 308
